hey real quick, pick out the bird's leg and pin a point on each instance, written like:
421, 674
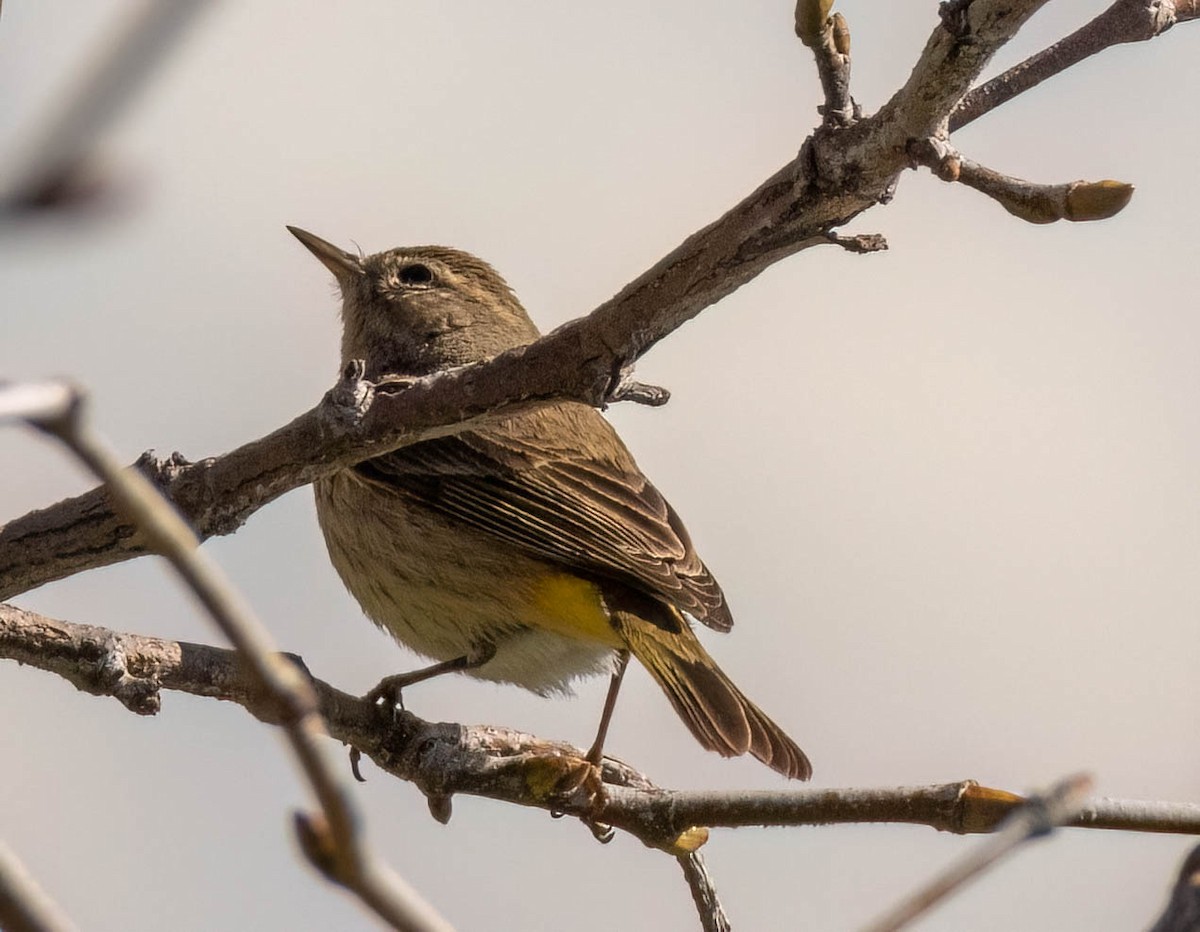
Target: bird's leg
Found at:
390, 688
596, 754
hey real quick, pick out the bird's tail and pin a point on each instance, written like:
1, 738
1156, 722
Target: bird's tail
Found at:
716, 712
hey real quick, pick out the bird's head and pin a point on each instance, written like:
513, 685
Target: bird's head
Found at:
416, 309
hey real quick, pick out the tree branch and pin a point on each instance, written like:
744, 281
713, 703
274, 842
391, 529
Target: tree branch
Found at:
1124, 21
442, 759
839, 173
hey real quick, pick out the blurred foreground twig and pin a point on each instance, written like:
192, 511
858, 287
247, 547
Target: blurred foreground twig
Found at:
331, 839
1035, 818
24, 906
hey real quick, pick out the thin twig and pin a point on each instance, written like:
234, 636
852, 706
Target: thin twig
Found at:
1124, 21
860, 242
331, 839
24, 906
1035, 819
1034, 203
704, 894
829, 38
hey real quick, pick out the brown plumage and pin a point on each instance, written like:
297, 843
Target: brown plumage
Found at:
534, 541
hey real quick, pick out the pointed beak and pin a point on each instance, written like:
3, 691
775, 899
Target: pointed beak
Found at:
344, 266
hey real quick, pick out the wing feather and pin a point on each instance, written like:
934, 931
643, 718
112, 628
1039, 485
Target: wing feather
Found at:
559, 484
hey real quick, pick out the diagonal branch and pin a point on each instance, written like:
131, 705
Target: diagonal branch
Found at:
704, 894
24, 905
1036, 818
1182, 913
331, 838
53, 171
1124, 21
839, 173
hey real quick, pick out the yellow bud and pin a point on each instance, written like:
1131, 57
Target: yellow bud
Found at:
841, 34
1097, 200
687, 841
811, 19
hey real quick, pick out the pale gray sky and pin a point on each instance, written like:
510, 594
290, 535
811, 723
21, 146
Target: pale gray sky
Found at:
950, 490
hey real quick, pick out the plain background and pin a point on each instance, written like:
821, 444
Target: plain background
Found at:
950, 490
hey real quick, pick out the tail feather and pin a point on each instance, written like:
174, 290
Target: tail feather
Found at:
716, 712
712, 713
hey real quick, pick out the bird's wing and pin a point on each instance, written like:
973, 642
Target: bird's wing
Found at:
559, 484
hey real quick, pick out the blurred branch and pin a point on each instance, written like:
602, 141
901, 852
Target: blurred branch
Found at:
24, 906
838, 173
34, 400
51, 173
1183, 909
1035, 818
443, 759
1124, 21
331, 839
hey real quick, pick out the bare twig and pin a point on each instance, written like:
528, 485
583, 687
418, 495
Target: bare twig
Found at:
640, 393
24, 906
1034, 203
1035, 819
829, 38
626, 388
1183, 909
1124, 21
860, 242
704, 894
498, 763
331, 839
1138, 815
49, 173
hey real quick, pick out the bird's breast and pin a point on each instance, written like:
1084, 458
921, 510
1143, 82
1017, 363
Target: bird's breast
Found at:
443, 587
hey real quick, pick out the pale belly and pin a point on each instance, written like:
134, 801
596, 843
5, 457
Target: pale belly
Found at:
448, 591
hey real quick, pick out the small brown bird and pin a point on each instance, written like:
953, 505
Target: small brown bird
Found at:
530, 551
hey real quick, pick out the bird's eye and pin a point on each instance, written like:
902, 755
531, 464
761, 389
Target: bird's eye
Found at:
415, 274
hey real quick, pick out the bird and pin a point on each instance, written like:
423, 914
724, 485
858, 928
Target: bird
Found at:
528, 550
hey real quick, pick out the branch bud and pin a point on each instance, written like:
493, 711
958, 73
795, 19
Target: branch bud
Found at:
1097, 200
841, 34
812, 19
